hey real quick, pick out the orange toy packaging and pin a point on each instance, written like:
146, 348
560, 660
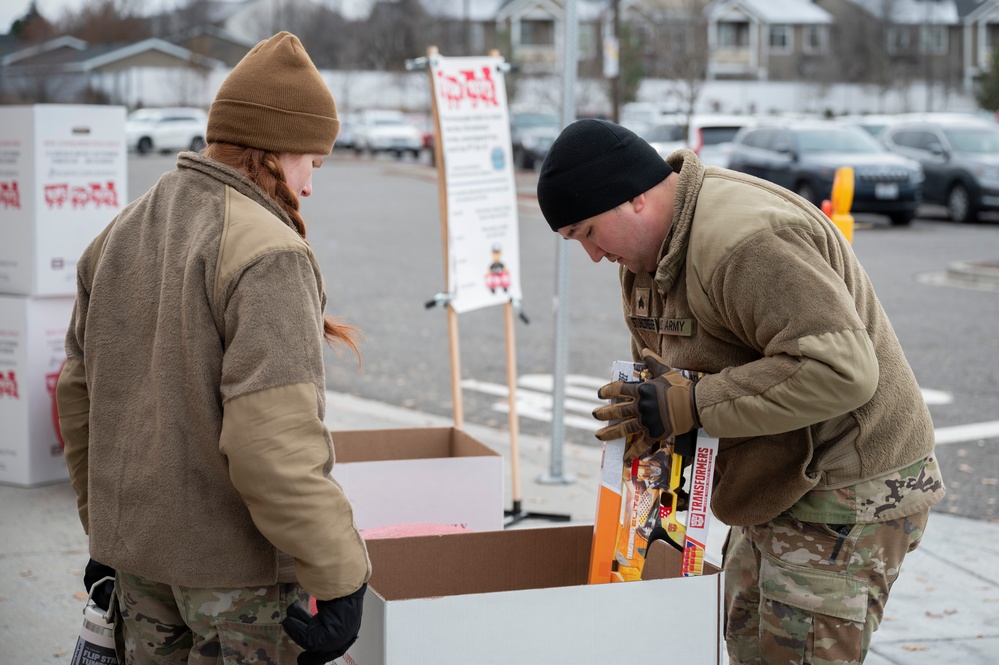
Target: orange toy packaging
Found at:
644, 501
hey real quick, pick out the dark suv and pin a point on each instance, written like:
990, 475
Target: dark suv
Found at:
531, 134
803, 155
960, 158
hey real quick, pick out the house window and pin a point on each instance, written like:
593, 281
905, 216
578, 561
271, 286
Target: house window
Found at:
587, 40
733, 35
477, 37
816, 39
780, 39
897, 39
537, 33
933, 39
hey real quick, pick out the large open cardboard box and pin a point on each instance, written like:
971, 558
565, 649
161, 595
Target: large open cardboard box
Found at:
521, 596
436, 475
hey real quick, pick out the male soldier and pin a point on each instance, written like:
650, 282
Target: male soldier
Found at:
825, 468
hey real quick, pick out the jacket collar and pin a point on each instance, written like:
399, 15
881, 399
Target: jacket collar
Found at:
233, 178
690, 172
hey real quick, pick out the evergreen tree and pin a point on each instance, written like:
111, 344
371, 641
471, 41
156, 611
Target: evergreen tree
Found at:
987, 85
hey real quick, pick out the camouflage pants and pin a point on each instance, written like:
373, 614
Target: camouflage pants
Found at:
161, 624
805, 593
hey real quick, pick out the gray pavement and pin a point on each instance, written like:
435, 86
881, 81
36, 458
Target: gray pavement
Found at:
944, 607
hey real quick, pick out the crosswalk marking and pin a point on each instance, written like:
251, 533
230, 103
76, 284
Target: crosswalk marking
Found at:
534, 401
964, 433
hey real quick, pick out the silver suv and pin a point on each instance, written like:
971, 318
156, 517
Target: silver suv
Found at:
166, 129
960, 157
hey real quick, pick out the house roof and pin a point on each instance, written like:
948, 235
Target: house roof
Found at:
972, 10
586, 10
912, 12
71, 54
789, 12
478, 10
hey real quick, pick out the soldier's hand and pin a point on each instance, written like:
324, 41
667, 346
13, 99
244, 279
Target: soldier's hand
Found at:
328, 634
97, 585
657, 409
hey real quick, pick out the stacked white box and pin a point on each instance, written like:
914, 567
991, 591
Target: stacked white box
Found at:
63, 178
32, 350
63, 175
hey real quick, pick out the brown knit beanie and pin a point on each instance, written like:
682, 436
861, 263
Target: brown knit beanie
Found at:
275, 100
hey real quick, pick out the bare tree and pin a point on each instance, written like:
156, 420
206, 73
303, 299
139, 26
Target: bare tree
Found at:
393, 33
32, 26
675, 47
330, 39
106, 21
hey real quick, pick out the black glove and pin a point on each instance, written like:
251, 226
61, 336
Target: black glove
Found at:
101, 594
658, 408
329, 633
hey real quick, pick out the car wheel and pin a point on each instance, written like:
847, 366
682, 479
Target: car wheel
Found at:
804, 190
959, 205
198, 144
145, 145
901, 218
519, 157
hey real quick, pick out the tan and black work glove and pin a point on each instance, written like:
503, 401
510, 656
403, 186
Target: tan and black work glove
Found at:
657, 409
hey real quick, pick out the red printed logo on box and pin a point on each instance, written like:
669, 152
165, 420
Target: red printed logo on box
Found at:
9, 196
100, 195
8, 385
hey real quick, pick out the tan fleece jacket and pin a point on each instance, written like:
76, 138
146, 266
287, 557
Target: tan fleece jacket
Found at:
193, 396
808, 386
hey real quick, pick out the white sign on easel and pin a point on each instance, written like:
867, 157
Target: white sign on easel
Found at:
483, 245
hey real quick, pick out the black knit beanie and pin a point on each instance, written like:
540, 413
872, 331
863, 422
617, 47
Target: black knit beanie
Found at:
592, 167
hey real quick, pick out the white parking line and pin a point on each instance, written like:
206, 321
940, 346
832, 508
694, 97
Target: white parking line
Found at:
963, 433
534, 401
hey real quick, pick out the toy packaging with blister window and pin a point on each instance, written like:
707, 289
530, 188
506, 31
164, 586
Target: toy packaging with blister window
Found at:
644, 501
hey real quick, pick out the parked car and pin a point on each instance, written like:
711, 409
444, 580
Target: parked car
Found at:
872, 123
379, 130
166, 129
531, 135
710, 136
345, 138
803, 155
960, 157
666, 136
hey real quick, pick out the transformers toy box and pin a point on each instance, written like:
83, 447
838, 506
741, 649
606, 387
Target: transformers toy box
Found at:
438, 475
63, 178
521, 596
32, 351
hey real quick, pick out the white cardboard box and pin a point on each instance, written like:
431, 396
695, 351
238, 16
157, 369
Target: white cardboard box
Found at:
32, 350
520, 596
63, 178
438, 475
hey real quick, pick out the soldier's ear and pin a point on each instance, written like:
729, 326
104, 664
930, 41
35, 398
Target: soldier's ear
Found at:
638, 203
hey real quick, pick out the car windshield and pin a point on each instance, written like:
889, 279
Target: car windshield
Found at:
661, 133
716, 135
525, 120
836, 140
974, 139
143, 115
